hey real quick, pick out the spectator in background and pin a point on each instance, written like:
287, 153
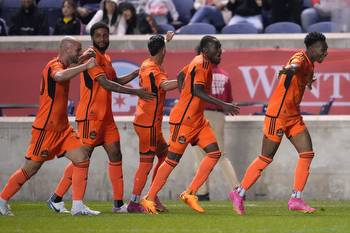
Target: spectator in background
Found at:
68, 24
210, 11
286, 10
321, 11
162, 11
247, 11
128, 11
3, 27
111, 15
86, 9
29, 20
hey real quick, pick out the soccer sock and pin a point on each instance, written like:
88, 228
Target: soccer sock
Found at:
15, 182
64, 184
205, 167
162, 175
302, 170
254, 171
79, 180
145, 166
161, 157
116, 177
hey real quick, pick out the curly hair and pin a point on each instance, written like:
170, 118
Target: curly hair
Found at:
313, 37
206, 41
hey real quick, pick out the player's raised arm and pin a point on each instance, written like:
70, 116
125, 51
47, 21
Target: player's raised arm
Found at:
116, 87
168, 85
70, 73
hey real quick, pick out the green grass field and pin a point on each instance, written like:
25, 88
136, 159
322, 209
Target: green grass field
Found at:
262, 216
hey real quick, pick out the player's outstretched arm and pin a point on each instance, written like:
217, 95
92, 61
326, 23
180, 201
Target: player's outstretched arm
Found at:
169, 85
290, 69
71, 72
229, 108
127, 78
116, 87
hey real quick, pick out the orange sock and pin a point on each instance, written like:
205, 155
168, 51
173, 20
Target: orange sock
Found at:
79, 180
254, 171
161, 157
14, 184
205, 167
302, 170
146, 163
162, 175
66, 181
116, 178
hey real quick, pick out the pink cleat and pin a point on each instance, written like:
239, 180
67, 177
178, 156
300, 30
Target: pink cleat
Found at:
237, 202
134, 207
297, 204
159, 206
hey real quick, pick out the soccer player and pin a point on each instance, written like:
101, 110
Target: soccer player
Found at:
148, 119
283, 117
94, 117
51, 133
188, 125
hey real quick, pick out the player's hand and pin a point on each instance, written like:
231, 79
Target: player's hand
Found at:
89, 53
144, 94
231, 109
91, 63
169, 35
309, 83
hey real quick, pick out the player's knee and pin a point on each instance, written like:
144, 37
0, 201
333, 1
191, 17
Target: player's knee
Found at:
307, 155
173, 159
214, 154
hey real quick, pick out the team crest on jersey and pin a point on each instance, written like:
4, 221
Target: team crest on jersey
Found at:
92, 134
182, 140
44, 153
279, 132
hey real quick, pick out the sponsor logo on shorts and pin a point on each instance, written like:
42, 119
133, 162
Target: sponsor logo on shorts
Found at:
93, 134
182, 140
44, 153
279, 132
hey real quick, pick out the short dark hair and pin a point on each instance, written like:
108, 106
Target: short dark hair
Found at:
206, 41
313, 37
155, 44
97, 26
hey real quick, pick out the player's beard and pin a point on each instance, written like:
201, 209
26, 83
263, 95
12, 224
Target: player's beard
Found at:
101, 49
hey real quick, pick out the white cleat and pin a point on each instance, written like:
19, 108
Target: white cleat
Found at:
84, 210
57, 207
5, 209
122, 209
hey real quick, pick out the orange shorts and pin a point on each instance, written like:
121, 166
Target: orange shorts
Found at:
45, 145
151, 140
181, 135
95, 133
274, 128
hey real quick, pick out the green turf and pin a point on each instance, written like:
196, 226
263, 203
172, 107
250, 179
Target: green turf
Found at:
262, 216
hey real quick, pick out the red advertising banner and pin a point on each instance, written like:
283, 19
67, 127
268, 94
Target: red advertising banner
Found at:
253, 74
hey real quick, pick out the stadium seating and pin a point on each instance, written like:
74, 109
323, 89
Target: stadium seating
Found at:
184, 8
239, 28
283, 27
322, 27
197, 29
163, 28
9, 8
52, 9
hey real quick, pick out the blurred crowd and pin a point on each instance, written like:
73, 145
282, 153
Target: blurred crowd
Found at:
75, 17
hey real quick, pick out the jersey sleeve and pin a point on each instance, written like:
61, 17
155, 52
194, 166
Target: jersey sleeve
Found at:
297, 60
160, 78
200, 75
96, 71
55, 67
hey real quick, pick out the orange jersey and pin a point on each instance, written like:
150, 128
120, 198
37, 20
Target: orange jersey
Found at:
151, 77
190, 109
52, 113
285, 100
95, 101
